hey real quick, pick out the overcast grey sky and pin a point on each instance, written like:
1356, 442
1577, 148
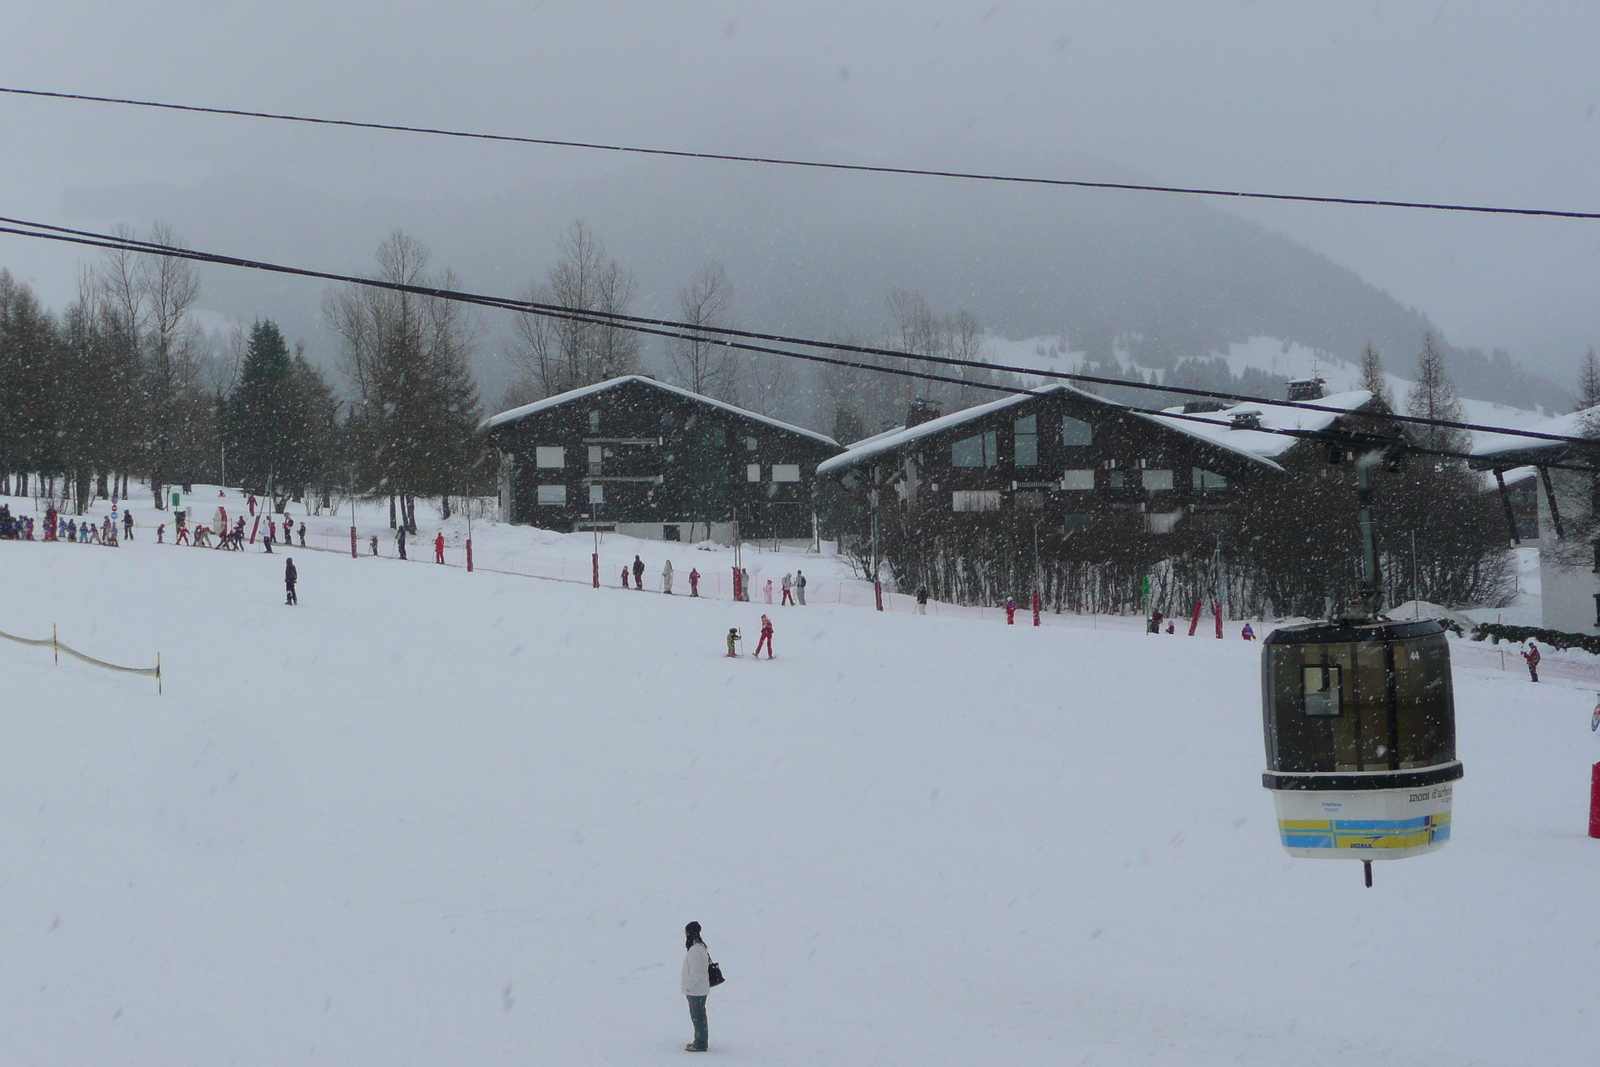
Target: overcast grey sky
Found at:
1476, 102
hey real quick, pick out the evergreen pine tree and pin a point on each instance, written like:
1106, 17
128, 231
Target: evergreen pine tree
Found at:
258, 414
1374, 380
1434, 397
1589, 381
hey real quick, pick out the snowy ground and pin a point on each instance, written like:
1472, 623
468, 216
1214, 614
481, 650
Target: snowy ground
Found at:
433, 817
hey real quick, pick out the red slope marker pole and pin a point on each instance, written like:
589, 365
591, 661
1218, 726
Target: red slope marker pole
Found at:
1194, 620
1594, 801
1036, 607
1217, 608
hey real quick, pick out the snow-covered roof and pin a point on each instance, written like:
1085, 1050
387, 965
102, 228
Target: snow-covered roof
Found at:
1216, 426
611, 383
1577, 424
894, 439
1512, 477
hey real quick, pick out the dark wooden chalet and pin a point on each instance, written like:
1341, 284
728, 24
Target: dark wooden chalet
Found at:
651, 460
1059, 453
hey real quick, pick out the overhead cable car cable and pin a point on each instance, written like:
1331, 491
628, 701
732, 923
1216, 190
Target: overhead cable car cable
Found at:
685, 331
698, 332
809, 164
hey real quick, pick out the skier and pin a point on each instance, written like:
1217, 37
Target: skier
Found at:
733, 635
50, 524
745, 571
694, 581
1155, 621
290, 576
1248, 633
302, 533
1011, 611
374, 544
1532, 657
161, 534
767, 590
252, 505
438, 548
266, 542
1171, 629
800, 587
183, 533
400, 540
766, 637
666, 578
624, 576
788, 594
638, 573
127, 525
922, 600
696, 983
272, 530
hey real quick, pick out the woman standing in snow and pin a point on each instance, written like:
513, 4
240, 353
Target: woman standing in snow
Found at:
696, 984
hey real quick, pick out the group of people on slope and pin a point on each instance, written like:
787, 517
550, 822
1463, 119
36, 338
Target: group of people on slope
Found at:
59, 529
792, 587
636, 571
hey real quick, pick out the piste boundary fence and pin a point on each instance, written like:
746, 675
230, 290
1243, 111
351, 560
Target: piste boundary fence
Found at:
53, 642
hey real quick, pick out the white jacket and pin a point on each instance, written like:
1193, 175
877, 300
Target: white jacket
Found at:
697, 971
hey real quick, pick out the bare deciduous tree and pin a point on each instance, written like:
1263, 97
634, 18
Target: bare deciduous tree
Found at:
555, 355
701, 362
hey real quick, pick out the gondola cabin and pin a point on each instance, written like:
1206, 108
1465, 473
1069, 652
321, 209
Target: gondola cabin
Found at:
1361, 738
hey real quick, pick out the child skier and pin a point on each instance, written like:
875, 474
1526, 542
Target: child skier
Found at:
766, 637
1011, 611
1532, 657
694, 581
438, 548
733, 635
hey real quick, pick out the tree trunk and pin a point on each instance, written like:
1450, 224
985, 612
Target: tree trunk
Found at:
391, 511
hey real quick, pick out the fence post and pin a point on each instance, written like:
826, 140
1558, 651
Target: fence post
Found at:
1217, 609
160, 690
877, 593
56, 651
352, 542
469, 555
1036, 607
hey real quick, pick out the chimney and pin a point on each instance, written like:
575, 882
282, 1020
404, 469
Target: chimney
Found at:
922, 410
1306, 389
1245, 420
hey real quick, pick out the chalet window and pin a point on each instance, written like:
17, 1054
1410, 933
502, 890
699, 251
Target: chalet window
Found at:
979, 450
786, 472
553, 495
752, 473
597, 494
975, 500
1077, 479
749, 444
1157, 480
719, 436
1026, 448
1207, 480
666, 418
546, 456
594, 421
1075, 432
1030, 499
597, 456
1162, 522
1117, 479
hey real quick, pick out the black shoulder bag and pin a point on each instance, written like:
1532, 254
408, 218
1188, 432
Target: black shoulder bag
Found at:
714, 973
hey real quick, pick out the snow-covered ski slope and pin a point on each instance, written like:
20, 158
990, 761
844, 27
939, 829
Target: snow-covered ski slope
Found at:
431, 817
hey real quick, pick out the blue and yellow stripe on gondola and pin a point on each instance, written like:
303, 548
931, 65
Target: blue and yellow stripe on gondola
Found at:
1365, 833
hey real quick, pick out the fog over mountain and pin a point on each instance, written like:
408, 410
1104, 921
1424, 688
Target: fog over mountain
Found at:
1156, 279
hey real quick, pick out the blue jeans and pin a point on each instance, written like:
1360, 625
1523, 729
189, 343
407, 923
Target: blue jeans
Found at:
697, 1012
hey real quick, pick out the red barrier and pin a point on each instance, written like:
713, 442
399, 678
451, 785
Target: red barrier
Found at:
1194, 620
1594, 801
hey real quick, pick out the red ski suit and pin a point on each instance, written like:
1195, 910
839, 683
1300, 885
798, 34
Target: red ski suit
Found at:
766, 637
